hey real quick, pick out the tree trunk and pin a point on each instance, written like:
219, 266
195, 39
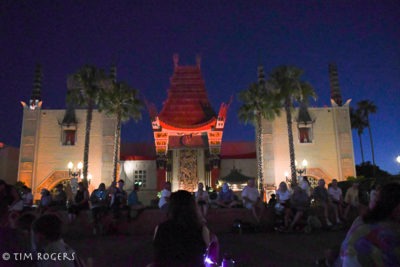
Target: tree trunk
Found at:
89, 114
361, 148
372, 147
117, 136
260, 161
291, 144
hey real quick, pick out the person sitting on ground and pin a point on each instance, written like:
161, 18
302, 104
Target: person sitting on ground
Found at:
202, 200
226, 197
45, 200
336, 195
46, 238
81, 202
251, 200
164, 199
99, 204
305, 185
283, 198
351, 199
299, 202
321, 197
133, 201
182, 240
59, 197
374, 238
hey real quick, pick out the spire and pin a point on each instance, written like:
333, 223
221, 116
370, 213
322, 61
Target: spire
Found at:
334, 82
35, 100
113, 73
176, 60
261, 75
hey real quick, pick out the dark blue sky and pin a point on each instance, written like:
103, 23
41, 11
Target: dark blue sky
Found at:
232, 37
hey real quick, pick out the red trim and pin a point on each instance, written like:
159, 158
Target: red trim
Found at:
215, 172
241, 156
199, 127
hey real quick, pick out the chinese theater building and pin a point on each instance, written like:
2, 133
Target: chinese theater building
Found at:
188, 132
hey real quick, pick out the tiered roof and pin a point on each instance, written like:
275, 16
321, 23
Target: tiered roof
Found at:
187, 105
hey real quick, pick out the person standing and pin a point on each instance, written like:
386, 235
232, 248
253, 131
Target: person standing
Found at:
336, 195
164, 199
81, 202
351, 199
321, 197
99, 206
59, 197
202, 200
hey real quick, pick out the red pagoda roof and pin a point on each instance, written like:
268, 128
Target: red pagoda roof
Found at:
187, 104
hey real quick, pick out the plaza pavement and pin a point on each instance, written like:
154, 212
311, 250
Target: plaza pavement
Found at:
248, 249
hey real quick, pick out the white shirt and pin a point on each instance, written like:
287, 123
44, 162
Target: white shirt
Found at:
336, 194
163, 199
283, 196
202, 196
251, 193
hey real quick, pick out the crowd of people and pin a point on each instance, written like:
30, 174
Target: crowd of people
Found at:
377, 224
113, 201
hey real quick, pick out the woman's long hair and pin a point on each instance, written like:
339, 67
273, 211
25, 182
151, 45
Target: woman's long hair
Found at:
388, 200
182, 209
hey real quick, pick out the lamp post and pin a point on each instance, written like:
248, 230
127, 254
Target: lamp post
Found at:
74, 173
303, 168
89, 178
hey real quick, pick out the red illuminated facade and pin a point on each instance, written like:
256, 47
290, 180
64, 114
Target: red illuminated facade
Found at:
188, 125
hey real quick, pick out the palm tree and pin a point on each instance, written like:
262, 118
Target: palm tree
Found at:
122, 101
285, 81
358, 124
365, 108
84, 89
258, 104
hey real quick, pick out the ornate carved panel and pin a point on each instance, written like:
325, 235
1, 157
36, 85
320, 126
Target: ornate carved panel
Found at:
187, 175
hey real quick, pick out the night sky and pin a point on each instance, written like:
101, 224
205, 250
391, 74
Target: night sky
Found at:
232, 37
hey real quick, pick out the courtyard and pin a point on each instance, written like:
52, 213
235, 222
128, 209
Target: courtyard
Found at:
248, 249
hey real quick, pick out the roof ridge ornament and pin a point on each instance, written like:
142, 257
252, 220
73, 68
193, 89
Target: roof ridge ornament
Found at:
175, 59
198, 61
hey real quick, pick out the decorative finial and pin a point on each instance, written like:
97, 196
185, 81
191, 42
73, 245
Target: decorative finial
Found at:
260, 74
37, 88
334, 82
176, 60
113, 73
198, 61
